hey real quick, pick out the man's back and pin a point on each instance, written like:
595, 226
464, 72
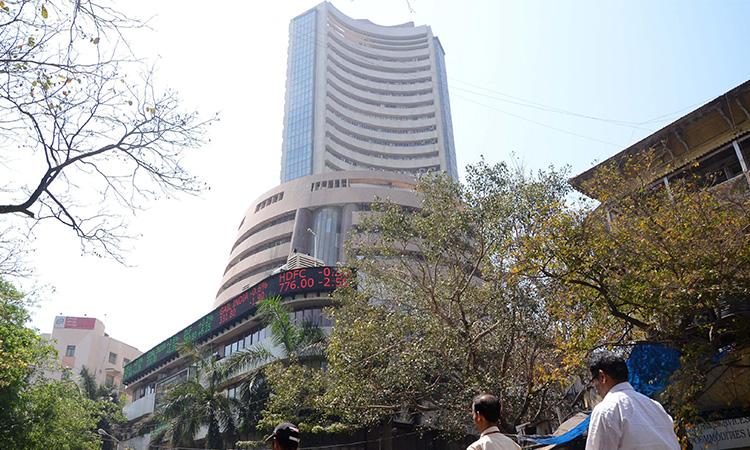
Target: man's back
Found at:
493, 439
626, 419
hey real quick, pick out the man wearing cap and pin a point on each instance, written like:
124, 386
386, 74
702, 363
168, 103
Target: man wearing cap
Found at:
486, 412
284, 437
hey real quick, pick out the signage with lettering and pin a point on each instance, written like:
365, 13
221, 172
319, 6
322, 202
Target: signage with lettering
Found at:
721, 434
288, 283
78, 323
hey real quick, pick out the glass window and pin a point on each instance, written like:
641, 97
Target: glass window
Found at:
125, 361
232, 392
109, 381
327, 227
298, 127
112, 358
70, 350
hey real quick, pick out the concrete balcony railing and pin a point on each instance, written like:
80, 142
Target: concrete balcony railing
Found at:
140, 407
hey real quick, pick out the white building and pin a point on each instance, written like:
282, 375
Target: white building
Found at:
81, 341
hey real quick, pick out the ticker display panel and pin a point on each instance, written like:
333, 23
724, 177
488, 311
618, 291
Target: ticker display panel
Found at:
284, 284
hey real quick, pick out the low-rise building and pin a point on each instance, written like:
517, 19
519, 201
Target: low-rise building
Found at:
711, 147
82, 342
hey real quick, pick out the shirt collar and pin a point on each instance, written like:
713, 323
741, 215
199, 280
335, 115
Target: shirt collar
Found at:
490, 430
619, 387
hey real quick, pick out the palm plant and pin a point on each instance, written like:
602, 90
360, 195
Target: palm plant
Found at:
291, 343
198, 401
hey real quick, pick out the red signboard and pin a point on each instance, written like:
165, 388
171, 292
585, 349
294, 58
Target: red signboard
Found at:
80, 323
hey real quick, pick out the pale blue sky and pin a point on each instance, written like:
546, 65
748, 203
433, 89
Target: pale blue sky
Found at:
627, 61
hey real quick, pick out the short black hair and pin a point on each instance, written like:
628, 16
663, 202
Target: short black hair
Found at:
488, 406
609, 363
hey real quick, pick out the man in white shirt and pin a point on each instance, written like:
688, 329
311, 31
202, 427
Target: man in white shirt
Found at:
486, 411
625, 419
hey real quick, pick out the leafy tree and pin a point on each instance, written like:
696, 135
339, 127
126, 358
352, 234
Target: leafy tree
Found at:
108, 403
667, 265
88, 126
37, 413
440, 314
21, 351
58, 416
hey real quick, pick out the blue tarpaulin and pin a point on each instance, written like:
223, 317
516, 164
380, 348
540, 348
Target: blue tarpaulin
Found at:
563, 438
650, 366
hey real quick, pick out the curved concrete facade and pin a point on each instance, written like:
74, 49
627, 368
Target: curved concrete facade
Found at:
366, 111
311, 215
361, 96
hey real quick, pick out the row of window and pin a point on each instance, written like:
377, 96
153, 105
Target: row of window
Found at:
400, 81
70, 351
717, 167
342, 183
259, 248
372, 37
374, 167
375, 154
313, 316
258, 269
380, 103
359, 62
384, 92
379, 141
379, 115
288, 217
328, 184
390, 67
367, 126
269, 201
336, 35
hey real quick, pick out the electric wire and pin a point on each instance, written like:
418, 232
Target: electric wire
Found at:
516, 100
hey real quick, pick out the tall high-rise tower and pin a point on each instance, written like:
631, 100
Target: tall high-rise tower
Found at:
366, 111
361, 96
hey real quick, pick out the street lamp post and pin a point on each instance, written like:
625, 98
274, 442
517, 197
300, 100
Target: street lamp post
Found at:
103, 433
315, 242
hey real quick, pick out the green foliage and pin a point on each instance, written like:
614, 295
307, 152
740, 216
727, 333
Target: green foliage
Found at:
199, 399
441, 314
21, 348
650, 263
58, 416
37, 413
298, 397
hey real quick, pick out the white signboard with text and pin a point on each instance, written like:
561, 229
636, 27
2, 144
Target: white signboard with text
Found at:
721, 434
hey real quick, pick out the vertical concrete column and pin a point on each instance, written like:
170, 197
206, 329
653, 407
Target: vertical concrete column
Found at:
743, 163
346, 226
301, 237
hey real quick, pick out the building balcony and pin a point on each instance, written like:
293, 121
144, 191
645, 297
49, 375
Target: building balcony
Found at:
140, 407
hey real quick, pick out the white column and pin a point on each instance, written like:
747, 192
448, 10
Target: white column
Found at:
666, 186
738, 151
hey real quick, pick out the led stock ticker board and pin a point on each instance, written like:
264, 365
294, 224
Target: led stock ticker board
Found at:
284, 284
